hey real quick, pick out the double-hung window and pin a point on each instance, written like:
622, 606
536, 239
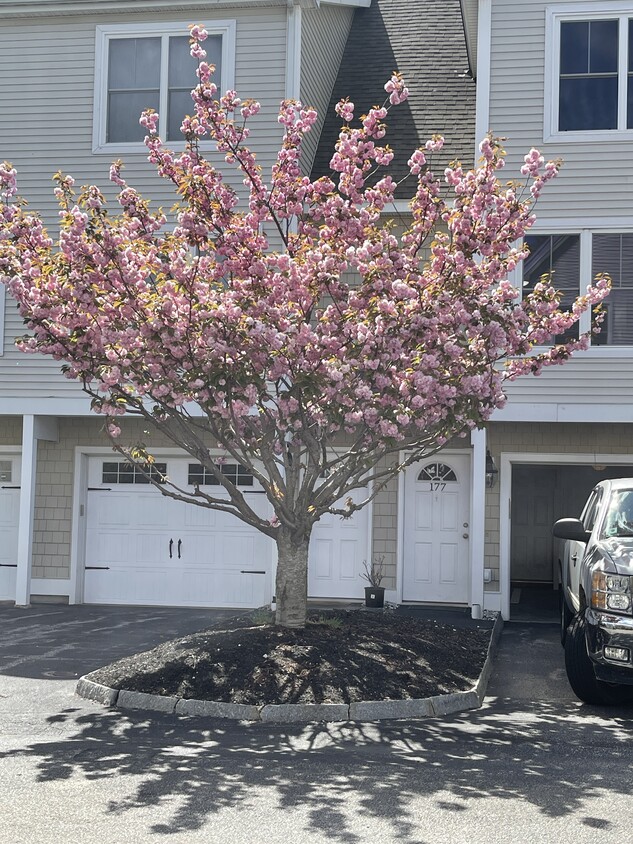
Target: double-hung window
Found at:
142, 66
589, 75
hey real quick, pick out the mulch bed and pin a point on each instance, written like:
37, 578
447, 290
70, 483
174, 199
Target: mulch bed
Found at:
339, 657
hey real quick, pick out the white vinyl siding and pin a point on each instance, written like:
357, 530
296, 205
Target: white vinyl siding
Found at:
323, 38
47, 100
591, 182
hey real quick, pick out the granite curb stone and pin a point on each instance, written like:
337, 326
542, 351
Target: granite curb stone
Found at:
216, 709
141, 700
96, 691
291, 712
367, 710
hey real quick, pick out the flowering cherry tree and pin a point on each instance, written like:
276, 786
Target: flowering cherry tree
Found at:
295, 331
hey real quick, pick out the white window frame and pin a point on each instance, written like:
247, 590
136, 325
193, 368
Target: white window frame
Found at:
554, 16
3, 316
105, 32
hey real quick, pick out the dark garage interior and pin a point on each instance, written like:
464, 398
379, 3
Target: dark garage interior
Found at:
541, 494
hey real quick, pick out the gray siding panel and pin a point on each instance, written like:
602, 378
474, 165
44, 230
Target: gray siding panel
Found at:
46, 117
324, 33
585, 380
591, 182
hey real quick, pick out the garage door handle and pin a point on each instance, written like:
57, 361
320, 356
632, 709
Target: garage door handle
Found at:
250, 571
171, 548
179, 547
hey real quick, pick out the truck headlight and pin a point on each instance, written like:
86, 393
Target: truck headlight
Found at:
610, 592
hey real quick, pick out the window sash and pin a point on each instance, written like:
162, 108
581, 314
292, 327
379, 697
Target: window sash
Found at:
556, 16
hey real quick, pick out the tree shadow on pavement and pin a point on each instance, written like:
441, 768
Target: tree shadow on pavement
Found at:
332, 772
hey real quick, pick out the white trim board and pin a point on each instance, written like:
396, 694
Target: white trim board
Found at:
484, 48
507, 460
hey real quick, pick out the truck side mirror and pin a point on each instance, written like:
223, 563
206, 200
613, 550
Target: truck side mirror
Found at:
571, 529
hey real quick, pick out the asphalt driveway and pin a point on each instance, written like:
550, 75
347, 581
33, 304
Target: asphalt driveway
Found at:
533, 764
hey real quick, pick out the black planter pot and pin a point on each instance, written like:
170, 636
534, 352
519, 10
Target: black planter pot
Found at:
374, 596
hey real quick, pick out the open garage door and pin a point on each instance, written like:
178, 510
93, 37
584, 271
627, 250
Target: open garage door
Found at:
541, 494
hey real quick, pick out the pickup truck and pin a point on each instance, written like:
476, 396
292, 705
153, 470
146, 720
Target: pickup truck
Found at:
596, 597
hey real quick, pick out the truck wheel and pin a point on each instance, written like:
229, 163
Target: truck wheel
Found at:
580, 671
566, 614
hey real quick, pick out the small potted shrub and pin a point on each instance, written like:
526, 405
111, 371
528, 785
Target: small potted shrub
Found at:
374, 575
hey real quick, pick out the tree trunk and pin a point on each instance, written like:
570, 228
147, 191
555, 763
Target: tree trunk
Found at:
291, 587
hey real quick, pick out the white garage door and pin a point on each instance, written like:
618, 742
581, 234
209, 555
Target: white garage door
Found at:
144, 548
338, 548
9, 515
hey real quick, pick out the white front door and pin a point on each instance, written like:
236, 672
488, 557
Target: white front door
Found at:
436, 530
9, 517
145, 548
338, 548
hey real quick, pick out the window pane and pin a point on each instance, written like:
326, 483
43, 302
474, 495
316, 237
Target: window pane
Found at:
180, 104
629, 99
134, 63
630, 44
560, 256
574, 47
613, 254
124, 111
588, 103
182, 67
603, 46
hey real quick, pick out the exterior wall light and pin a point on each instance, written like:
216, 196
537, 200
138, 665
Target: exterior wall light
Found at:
491, 470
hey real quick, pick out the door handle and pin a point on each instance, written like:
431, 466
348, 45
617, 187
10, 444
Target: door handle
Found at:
179, 547
465, 535
171, 548
574, 558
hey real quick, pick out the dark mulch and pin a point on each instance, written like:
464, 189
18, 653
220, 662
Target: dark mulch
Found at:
339, 657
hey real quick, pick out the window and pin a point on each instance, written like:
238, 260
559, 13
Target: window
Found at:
199, 476
128, 473
437, 472
613, 254
559, 256
149, 66
590, 78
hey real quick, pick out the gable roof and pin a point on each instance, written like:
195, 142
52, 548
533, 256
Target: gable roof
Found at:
424, 40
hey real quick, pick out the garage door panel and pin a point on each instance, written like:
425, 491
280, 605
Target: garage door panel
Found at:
195, 517
153, 510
